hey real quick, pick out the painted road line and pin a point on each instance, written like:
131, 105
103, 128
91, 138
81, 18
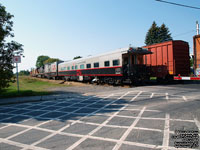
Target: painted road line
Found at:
166, 133
99, 127
18, 133
136, 96
152, 95
167, 96
124, 136
24, 146
68, 125
184, 98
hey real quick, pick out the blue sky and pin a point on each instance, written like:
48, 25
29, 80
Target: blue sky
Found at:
68, 28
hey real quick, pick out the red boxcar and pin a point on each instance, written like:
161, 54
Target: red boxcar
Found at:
196, 40
168, 59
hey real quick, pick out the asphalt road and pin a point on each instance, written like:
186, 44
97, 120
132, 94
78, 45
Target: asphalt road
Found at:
106, 118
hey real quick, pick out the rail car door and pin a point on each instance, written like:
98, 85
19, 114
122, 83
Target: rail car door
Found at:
128, 63
133, 68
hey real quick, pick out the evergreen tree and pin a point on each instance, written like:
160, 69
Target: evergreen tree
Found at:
157, 34
164, 35
152, 34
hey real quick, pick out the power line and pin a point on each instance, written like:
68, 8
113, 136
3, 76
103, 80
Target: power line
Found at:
192, 31
178, 4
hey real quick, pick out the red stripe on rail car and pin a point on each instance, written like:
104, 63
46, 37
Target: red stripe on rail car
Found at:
94, 75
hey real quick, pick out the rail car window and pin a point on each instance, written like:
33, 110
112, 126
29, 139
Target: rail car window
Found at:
72, 67
88, 65
76, 67
116, 62
68, 68
106, 63
63, 68
82, 66
96, 65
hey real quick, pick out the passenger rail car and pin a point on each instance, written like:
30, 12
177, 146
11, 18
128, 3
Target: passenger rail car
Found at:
122, 65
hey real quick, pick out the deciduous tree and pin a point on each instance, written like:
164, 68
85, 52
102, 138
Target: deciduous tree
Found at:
7, 49
51, 60
40, 60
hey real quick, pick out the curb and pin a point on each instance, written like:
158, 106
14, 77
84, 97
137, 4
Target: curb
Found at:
17, 100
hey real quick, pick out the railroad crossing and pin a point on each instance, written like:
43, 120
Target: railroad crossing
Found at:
128, 118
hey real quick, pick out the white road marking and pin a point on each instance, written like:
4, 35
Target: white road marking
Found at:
152, 95
148, 129
21, 145
124, 136
182, 120
63, 128
167, 96
184, 98
99, 127
166, 133
136, 96
18, 133
5, 126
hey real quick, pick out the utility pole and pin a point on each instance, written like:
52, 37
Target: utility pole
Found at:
197, 24
17, 77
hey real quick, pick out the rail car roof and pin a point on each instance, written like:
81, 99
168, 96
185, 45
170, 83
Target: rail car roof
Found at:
134, 50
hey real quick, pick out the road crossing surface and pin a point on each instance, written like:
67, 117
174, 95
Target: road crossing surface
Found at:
124, 119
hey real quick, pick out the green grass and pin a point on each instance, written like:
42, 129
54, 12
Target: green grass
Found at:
29, 87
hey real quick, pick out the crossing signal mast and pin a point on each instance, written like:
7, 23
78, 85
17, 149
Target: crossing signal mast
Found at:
196, 58
17, 59
196, 40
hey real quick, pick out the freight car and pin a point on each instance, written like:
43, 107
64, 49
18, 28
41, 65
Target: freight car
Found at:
196, 40
168, 59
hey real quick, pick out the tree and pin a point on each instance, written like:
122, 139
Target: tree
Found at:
191, 61
24, 73
164, 35
40, 60
7, 49
51, 60
157, 34
77, 57
152, 34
